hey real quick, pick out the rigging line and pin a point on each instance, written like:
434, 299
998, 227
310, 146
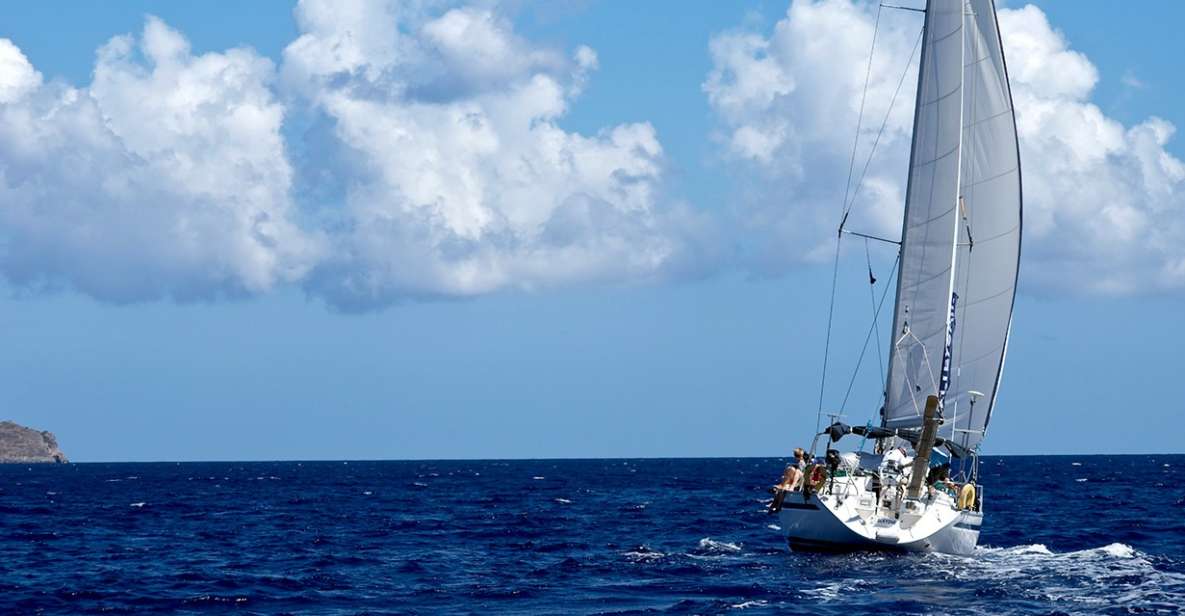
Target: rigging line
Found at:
847, 188
827, 343
875, 322
844, 220
875, 317
885, 122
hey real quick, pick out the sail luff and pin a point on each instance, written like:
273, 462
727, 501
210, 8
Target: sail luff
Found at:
948, 365
922, 310
904, 227
988, 250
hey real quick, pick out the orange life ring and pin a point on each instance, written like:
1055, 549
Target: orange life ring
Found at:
816, 476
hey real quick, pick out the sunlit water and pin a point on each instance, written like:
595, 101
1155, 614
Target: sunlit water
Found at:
1062, 535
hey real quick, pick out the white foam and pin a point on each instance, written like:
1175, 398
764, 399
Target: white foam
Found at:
774, 527
1075, 464
1080, 480
1119, 550
643, 554
749, 604
1091, 580
538, 477
137, 505
1033, 548
563, 501
709, 544
367, 493
826, 592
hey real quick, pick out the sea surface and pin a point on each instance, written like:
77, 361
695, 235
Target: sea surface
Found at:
1062, 535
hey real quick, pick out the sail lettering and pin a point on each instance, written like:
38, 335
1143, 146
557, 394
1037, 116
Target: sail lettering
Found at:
944, 382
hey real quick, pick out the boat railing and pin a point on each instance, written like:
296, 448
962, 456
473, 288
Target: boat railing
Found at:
849, 485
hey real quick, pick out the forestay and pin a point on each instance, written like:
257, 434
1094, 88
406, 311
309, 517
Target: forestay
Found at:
961, 233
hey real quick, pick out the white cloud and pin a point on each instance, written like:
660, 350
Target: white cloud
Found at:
1102, 200
462, 182
166, 177
1133, 82
435, 130
787, 105
17, 76
430, 161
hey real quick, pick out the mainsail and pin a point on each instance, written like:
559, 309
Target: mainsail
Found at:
961, 234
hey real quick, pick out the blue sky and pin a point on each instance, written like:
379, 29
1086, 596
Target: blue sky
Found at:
216, 352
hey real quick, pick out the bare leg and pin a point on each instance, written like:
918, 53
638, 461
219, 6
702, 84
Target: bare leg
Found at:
795, 478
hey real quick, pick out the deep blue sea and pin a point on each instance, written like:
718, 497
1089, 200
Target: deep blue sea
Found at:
1065, 535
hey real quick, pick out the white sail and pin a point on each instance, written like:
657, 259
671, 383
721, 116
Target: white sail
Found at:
922, 315
988, 254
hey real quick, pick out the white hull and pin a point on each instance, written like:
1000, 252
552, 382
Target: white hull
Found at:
851, 519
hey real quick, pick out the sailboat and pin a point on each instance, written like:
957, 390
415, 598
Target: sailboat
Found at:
959, 256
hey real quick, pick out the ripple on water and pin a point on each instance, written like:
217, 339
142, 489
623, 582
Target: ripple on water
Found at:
591, 536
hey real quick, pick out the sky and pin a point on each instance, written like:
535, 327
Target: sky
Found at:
571, 229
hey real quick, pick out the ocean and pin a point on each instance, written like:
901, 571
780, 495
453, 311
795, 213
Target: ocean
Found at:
1062, 535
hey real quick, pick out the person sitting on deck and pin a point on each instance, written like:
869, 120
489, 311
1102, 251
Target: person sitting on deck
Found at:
939, 477
791, 480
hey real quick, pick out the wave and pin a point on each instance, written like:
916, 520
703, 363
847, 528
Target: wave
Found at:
1113, 574
643, 554
709, 546
1117, 550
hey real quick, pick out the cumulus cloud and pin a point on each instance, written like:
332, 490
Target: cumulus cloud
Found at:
414, 150
787, 103
462, 181
166, 177
17, 76
1101, 198
426, 160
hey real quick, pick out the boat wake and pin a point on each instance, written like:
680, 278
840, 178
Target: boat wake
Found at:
1111, 575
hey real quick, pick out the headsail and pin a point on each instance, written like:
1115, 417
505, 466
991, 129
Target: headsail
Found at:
961, 236
922, 315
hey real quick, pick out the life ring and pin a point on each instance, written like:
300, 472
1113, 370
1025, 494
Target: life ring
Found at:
816, 476
967, 496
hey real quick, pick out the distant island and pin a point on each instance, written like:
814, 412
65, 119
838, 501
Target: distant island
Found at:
19, 445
